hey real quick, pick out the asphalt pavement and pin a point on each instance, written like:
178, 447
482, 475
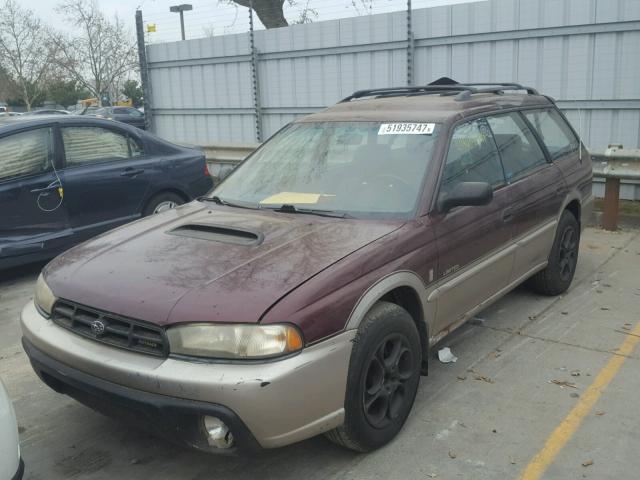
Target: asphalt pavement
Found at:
542, 388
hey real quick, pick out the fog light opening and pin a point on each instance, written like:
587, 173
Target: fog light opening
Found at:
218, 434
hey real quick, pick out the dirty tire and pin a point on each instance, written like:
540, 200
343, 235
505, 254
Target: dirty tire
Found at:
159, 199
557, 276
384, 372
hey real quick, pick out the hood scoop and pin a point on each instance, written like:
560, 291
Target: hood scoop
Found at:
218, 233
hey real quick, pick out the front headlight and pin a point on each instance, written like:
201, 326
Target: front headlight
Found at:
228, 341
44, 296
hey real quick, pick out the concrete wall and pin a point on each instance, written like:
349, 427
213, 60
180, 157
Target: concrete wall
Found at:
582, 52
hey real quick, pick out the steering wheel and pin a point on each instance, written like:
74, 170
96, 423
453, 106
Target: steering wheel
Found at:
403, 193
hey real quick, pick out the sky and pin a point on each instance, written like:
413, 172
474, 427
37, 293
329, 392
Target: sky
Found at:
219, 17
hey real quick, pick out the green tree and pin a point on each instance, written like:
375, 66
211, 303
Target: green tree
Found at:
132, 90
66, 92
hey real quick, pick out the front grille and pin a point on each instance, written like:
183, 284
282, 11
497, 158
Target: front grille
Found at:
111, 329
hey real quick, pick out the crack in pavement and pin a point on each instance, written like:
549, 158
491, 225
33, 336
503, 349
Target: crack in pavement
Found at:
558, 342
518, 331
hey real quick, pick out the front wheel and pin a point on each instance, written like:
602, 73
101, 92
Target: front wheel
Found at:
383, 378
558, 274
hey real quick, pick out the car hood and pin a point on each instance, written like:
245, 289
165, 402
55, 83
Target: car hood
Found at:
164, 270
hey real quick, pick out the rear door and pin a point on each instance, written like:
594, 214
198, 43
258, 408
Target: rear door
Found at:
538, 190
474, 258
106, 177
33, 214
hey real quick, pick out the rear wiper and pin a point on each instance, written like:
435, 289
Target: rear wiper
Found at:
220, 201
286, 208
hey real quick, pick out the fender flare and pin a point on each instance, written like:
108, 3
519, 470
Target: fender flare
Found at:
403, 278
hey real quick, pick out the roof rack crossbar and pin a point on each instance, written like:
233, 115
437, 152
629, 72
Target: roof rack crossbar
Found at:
459, 88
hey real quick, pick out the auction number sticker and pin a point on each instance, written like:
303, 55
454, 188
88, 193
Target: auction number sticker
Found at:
406, 128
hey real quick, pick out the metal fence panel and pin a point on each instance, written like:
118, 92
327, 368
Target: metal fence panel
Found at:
582, 52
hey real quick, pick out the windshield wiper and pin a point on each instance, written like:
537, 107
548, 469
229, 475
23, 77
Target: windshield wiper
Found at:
220, 201
286, 208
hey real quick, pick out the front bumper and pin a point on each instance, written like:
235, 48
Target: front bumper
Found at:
268, 404
175, 419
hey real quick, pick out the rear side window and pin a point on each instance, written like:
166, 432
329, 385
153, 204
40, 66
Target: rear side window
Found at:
554, 132
83, 145
519, 149
472, 157
26, 153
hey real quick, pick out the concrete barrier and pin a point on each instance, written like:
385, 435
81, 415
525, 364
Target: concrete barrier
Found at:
223, 158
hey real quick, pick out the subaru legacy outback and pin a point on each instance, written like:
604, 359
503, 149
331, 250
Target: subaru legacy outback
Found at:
303, 294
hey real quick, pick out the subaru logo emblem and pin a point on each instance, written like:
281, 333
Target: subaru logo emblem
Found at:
97, 328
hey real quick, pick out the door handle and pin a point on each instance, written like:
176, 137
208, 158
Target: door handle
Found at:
507, 215
131, 172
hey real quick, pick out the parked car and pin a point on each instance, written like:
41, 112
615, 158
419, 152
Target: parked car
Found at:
90, 110
128, 115
11, 464
47, 111
303, 294
65, 179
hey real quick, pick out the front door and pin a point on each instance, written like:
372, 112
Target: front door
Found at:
33, 215
474, 254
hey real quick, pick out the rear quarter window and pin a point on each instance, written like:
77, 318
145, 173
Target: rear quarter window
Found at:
554, 132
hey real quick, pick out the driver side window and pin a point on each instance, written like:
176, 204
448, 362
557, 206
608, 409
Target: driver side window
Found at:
472, 157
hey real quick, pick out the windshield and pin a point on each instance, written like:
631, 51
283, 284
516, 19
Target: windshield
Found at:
358, 168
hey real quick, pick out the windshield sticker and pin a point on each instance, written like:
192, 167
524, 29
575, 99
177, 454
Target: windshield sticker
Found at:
292, 197
406, 128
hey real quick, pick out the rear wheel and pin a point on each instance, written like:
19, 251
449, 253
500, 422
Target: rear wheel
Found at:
558, 274
162, 202
383, 378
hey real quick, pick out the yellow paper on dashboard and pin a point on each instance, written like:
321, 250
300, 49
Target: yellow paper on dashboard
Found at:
292, 198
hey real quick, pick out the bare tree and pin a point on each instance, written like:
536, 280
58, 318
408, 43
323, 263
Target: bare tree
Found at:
270, 12
26, 51
103, 53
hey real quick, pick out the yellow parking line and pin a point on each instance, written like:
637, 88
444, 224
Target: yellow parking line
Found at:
565, 430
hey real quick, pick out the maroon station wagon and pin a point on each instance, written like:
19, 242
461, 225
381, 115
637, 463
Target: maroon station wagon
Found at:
303, 294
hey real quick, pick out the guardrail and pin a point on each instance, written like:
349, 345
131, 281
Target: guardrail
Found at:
614, 165
222, 158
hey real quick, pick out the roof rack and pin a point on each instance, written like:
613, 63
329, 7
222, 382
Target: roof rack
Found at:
463, 91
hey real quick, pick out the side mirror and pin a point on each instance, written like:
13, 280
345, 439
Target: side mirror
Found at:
466, 194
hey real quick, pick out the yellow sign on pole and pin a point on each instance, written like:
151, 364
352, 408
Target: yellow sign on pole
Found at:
151, 27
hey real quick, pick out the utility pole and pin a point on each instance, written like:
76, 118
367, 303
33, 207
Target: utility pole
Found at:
181, 9
144, 72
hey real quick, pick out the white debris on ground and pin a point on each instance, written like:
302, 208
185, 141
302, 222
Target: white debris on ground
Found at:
445, 355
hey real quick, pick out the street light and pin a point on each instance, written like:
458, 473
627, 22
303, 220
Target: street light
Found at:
180, 9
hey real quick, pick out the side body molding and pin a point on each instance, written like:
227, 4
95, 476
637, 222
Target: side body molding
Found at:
403, 278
